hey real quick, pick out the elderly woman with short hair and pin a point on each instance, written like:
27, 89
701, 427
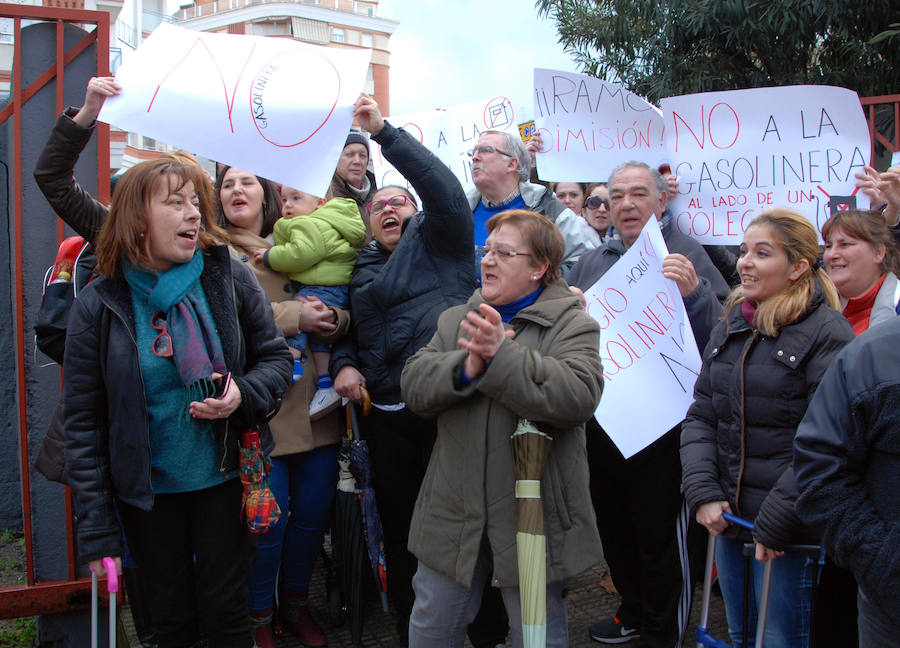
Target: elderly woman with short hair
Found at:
522, 347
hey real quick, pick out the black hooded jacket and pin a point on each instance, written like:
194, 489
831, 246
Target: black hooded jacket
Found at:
106, 420
752, 392
396, 297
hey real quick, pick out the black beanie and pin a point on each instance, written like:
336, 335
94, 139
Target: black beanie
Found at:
355, 137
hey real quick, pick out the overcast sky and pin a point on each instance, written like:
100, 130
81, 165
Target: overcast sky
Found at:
447, 52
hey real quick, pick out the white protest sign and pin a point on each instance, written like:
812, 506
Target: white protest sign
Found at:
450, 134
650, 358
739, 152
272, 106
589, 126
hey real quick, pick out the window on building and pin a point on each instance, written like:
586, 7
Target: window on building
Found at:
367, 40
337, 35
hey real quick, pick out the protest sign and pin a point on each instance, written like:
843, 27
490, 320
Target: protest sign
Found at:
589, 126
650, 358
740, 152
450, 134
273, 106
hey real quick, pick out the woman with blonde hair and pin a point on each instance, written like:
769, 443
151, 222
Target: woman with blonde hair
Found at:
764, 360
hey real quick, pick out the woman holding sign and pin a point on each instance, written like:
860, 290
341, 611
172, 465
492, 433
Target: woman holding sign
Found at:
762, 364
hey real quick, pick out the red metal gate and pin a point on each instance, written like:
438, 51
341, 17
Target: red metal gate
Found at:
54, 596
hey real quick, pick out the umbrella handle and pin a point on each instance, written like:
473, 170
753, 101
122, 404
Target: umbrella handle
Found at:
366, 402
353, 429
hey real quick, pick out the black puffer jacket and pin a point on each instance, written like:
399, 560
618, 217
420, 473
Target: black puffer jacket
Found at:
847, 463
752, 392
396, 298
106, 424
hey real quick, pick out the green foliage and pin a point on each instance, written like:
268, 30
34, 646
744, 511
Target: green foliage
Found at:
661, 48
22, 633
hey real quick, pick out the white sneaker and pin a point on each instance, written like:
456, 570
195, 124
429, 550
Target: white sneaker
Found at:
323, 402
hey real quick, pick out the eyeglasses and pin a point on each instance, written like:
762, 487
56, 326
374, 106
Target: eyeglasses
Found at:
162, 343
595, 202
484, 150
502, 253
377, 206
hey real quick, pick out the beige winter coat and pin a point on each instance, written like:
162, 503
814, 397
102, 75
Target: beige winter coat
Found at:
469, 485
291, 427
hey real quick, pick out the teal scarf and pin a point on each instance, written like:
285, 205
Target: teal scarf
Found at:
196, 348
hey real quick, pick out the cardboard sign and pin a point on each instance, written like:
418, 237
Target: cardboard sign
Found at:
272, 106
589, 126
650, 358
740, 152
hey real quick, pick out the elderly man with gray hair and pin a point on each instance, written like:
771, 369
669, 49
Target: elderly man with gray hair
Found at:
640, 511
501, 167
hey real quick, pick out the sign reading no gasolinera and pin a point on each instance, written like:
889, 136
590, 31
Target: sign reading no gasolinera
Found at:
739, 152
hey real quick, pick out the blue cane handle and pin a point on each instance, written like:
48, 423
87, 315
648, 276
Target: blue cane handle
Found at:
734, 519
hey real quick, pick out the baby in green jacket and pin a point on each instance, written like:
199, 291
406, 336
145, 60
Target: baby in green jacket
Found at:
315, 245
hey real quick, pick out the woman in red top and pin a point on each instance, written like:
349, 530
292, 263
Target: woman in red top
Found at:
862, 260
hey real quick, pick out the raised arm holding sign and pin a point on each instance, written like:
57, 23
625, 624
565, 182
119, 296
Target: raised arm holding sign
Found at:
273, 106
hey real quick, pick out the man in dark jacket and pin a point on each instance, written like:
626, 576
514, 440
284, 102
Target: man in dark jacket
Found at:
418, 264
846, 465
640, 512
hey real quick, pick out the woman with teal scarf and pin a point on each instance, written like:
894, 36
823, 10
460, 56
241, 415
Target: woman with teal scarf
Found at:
152, 423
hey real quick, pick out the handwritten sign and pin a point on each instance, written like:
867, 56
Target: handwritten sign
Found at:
650, 358
450, 134
589, 126
740, 152
273, 106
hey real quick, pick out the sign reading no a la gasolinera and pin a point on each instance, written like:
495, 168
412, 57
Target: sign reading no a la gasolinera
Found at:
739, 152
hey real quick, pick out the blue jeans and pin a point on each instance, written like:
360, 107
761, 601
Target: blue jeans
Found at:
443, 609
787, 623
334, 296
303, 485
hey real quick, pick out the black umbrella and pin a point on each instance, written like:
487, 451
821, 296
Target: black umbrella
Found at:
351, 538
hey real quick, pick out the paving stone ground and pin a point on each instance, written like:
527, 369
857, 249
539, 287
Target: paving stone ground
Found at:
587, 602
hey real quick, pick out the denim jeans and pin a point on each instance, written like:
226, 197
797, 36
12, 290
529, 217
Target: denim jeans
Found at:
787, 622
443, 608
303, 485
335, 296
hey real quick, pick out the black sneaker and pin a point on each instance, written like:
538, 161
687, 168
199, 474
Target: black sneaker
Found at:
613, 631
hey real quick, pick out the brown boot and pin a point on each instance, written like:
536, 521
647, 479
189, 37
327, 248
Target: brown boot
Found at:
295, 615
261, 623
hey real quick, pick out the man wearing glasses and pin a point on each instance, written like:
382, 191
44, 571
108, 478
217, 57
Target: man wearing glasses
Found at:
501, 166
